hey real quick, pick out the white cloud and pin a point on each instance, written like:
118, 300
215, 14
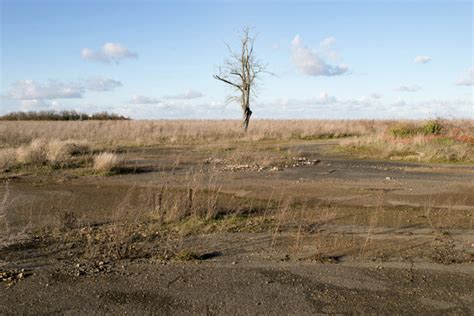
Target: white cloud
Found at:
110, 52
326, 48
422, 59
408, 88
188, 95
139, 99
375, 96
55, 89
323, 99
468, 80
102, 84
363, 108
328, 42
311, 63
28, 105
30, 90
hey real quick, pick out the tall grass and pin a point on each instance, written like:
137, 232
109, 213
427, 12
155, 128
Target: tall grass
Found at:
156, 132
439, 140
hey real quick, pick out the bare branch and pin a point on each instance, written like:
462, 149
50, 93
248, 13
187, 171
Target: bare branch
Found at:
228, 82
240, 71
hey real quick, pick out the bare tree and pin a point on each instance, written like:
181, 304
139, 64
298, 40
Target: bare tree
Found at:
240, 71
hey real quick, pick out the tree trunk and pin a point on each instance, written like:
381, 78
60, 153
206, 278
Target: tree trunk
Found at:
246, 119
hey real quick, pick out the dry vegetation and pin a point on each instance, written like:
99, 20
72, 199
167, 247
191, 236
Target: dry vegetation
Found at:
176, 213
41, 143
431, 141
164, 223
143, 133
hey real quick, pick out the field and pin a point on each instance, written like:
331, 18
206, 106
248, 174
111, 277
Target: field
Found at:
198, 217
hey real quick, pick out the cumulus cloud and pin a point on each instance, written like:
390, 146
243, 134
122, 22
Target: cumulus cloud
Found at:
110, 52
422, 59
188, 95
140, 99
408, 88
310, 62
468, 80
55, 89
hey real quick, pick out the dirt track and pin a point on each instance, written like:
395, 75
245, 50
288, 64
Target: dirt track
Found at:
251, 273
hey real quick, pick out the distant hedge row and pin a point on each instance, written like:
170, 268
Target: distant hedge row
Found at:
60, 116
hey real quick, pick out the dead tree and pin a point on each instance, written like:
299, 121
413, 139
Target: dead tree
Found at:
240, 71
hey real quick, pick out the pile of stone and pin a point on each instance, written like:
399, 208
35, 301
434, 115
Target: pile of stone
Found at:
12, 277
246, 167
94, 268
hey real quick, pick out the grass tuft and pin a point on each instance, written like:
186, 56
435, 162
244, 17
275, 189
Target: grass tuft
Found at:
107, 162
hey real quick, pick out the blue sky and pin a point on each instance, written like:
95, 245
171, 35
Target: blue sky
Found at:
155, 59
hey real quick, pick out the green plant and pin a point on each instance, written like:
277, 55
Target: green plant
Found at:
433, 127
403, 131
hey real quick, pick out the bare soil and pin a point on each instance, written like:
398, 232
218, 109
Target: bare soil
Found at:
296, 229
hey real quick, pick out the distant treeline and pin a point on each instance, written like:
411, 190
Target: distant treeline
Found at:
61, 116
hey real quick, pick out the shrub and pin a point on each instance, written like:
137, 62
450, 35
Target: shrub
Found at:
106, 162
432, 128
60, 116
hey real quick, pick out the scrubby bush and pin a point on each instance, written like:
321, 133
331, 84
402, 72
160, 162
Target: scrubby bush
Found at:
434, 127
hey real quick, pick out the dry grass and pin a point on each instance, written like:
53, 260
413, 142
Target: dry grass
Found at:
157, 132
107, 162
34, 153
445, 140
418, 141
41, 152
7, 158
60, 152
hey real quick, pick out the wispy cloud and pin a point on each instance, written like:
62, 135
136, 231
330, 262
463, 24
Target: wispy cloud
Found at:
53, 89
188, 95
364, 107
101, 84
140, 99
310, 62
467, 80
56, 89
408, 88
422, 59
110, 52
375, 95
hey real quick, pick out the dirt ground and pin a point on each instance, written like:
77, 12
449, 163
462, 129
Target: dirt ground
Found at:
295, 229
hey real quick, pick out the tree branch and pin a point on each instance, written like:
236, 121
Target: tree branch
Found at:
228, 82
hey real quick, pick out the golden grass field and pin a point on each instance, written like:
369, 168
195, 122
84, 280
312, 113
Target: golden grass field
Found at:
37, 142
